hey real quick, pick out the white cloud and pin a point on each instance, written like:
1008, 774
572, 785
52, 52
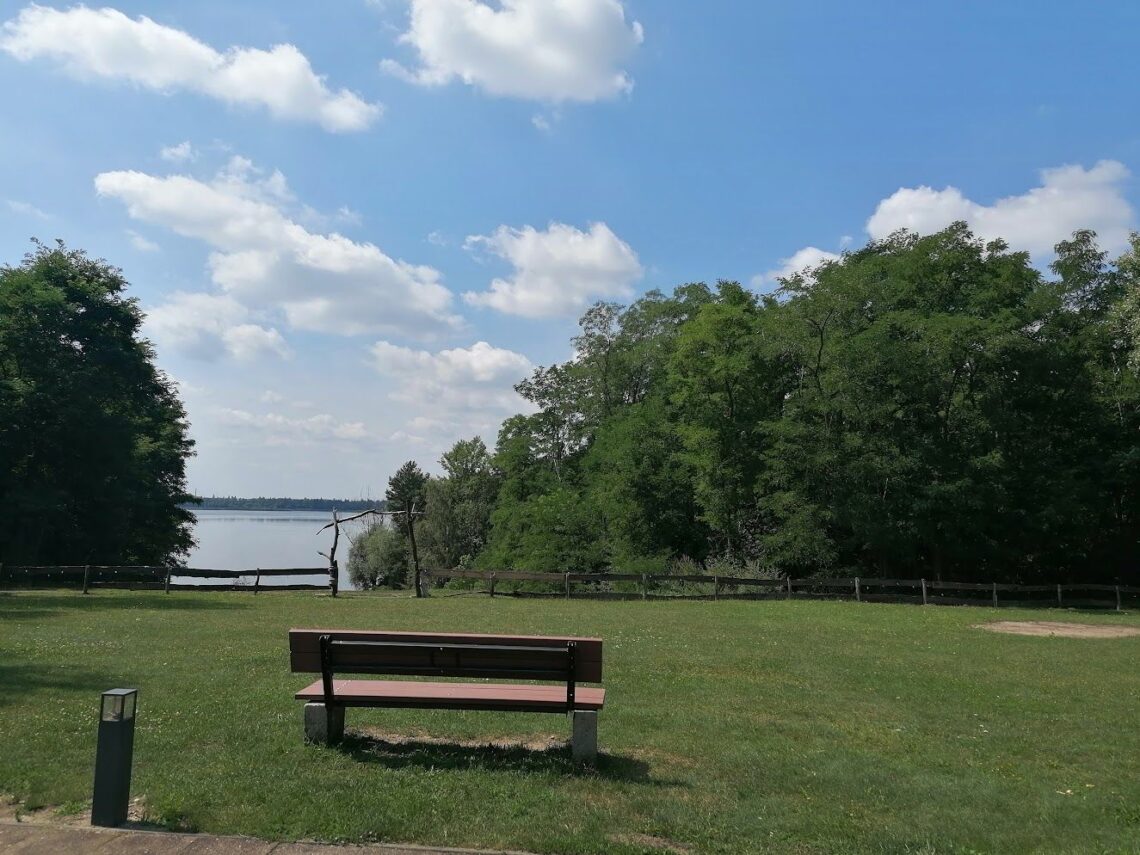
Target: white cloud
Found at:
141, 243
347, 215
1069, 198
558, 271
246, 341
277, 429
456, 391
805, 259
541, 122
26, 209
178, 153
547, 50
269, 262
105, 43
206, 327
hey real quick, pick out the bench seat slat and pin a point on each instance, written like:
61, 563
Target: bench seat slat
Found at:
464, 696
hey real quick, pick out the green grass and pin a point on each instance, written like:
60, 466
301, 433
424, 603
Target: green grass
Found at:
729, 727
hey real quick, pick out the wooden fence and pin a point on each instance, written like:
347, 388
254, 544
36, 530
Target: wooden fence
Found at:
927, 592
90, 576
643, 586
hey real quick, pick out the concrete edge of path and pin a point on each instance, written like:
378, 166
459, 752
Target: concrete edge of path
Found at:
37, 838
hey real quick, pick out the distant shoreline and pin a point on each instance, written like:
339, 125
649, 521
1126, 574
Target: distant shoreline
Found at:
233, 503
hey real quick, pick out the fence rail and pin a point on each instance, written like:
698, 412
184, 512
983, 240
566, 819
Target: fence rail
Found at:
90, 576
599, 585
869, 589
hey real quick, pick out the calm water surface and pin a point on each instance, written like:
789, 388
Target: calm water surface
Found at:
244, 540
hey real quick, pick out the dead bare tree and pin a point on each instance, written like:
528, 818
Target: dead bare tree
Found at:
338, 522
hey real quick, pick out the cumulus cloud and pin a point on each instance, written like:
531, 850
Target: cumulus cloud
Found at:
278, 429
178, 153
1068, 198
456, 391
557, 271
547, 50
265, 260
141, 243
807, 258
105, 43
26, 209
206, 326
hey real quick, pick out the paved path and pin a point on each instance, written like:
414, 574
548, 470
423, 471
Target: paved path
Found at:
28, 838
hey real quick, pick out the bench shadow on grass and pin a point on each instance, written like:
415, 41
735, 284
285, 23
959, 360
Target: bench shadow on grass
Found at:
400, 753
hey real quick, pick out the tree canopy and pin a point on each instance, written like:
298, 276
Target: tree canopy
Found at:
924, 406
93, 438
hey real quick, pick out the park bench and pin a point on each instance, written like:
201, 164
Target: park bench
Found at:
563, 662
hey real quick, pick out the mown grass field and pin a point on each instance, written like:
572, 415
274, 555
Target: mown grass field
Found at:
729, 727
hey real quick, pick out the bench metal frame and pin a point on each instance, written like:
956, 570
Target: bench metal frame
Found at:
330, 666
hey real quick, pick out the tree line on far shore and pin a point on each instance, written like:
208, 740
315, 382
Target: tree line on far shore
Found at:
925, 406
279, 503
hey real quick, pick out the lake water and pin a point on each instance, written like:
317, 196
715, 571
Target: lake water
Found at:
245, 540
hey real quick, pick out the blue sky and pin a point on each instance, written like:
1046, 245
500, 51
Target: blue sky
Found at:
355, 225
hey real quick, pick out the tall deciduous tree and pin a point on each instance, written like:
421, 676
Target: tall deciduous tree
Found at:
457, 507
405, 494
93, 438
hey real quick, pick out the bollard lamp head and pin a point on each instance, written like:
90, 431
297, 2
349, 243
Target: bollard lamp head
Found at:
118, 705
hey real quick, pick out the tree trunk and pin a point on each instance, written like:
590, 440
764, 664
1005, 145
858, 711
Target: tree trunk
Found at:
415, 554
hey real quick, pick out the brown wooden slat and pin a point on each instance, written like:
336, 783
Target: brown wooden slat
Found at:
305, 651
426, 660
958, 586
467, 696
732, 580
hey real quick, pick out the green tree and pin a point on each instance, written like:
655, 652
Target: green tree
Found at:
405, 495
93, 438
457, 507
378, 558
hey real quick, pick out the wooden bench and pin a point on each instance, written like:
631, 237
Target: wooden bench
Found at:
543, 660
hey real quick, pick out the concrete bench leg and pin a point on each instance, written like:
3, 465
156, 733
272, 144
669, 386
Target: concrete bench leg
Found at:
322, 727
584, 742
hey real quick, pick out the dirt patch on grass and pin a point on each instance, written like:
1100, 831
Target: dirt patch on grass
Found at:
528, 743
1059, 629
78, 815
649, 841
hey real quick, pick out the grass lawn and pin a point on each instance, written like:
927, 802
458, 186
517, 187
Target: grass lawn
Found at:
729, 726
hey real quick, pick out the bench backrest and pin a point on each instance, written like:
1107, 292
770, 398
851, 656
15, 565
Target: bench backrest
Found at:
423, 654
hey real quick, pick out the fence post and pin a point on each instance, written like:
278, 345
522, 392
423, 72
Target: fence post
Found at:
334, 577
1, 573
644, 587
858, 596
493, 577
1059, 603
716, 587
86, 576
789, 595
567, 586
257, 580
1118, 598
924, 592
166, 585
995, 595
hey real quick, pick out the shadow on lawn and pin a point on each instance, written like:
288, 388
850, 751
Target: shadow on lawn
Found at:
398, 753
29, 606
20, 680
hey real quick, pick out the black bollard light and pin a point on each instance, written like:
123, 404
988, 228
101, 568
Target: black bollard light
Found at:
113, 757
